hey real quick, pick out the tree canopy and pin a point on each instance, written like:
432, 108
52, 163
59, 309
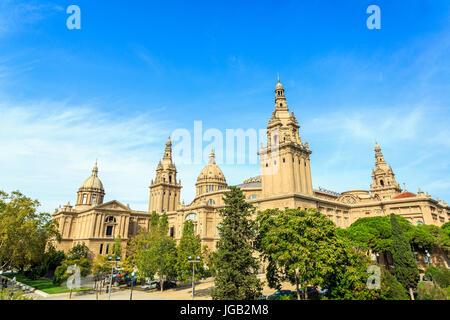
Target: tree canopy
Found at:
190, 245
304, 248
153, 252
375, 234
405, 265
236, 266
25, 234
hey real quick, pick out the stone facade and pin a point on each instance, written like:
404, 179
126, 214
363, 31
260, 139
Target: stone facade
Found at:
285, 182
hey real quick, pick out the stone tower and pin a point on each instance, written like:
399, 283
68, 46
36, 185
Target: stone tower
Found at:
164, 190
285, 162
384, 185
91, 192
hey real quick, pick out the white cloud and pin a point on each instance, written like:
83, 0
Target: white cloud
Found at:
16, 16
48, 149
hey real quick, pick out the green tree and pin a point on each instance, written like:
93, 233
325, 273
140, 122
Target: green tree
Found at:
153, 252
53, 258
24, 233
61, 274
160, 258
391, 289
163, 224
441, 276
446, 227
405, 265
348, 277
117, 247
79, 251
236, 266
154, 222
101, 265
303, 247
190, 245
426, 290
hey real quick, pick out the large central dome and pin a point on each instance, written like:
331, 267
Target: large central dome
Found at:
211, 178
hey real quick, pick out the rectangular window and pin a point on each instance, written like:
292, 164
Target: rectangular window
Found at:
107, 249
109, 230
172, 231
101, 248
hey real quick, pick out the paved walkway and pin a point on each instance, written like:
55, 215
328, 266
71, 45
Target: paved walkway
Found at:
182, 292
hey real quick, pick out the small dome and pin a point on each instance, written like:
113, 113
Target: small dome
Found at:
279, 86
93, 182
211, 171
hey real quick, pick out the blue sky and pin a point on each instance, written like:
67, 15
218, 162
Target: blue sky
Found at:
138, 70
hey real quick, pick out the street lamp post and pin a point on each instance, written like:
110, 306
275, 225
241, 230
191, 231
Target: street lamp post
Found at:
191, 259
132, 280
110, 279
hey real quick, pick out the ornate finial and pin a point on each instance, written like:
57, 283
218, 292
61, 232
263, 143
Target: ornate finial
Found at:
212, 159
278, 77
95, 169
404, 186
377, 147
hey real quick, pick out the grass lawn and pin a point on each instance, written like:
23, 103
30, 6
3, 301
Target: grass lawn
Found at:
44, 284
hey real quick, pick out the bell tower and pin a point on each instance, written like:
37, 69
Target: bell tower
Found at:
164, 190
285, 161
383, 178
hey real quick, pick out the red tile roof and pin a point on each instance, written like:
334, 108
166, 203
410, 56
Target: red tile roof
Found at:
405, 194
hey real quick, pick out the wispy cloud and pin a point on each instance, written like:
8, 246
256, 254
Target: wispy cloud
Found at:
49, 148
17, 15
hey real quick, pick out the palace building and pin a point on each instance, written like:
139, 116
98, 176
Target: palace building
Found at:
285, 182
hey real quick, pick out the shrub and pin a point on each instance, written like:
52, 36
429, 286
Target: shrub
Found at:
8, 294
427, 290
441, 276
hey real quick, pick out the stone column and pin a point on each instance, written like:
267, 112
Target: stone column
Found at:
308, 172
290, 163
303, 174
297, 174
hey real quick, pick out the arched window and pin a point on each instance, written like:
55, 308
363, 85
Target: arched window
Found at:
211, 201
110, 219
93, 198
84, 198
191, 216
382, 183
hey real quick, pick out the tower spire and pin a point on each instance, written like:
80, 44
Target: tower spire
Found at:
212, 157
95, 169
168, 150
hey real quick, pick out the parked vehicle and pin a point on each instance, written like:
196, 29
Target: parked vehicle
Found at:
166, 285
124, 278
276, 295
150, 285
